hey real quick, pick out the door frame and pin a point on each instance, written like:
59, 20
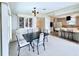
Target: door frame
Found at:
1, 29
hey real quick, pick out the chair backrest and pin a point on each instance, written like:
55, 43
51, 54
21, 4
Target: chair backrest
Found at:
17, 39
35, 30
46, 31
41, 38
19, 34
29, 30
21, 41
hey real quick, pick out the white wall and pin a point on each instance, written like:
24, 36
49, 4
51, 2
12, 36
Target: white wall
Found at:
47, 23
34, 22
14, 26
5, 32
14, 22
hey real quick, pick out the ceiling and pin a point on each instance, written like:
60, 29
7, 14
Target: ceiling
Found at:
27, 7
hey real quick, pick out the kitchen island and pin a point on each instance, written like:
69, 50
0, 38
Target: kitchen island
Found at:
68, 33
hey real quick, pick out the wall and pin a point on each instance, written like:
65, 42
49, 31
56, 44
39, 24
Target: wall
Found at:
14, 26
34, 22
47, 23
5, 29
77, 20
14, 22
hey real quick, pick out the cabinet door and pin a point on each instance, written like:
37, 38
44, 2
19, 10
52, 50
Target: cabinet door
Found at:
21, 22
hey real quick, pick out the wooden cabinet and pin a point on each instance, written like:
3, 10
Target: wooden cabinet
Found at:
40, 23
77, 20
63, 20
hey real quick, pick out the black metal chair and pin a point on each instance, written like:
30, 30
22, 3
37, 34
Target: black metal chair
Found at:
21, 43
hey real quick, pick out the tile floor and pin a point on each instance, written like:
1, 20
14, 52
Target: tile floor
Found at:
54, 47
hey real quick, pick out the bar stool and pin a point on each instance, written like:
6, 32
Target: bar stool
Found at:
66, 34
70, 34
62, 33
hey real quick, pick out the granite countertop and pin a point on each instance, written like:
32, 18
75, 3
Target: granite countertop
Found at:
68, 29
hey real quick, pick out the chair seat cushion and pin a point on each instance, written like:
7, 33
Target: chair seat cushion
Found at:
23, 43
39, 43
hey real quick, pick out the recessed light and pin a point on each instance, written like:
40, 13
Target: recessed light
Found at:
44, 9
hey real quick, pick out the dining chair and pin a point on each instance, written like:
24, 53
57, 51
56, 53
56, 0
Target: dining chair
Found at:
39, 42
21, 42
46, 34
29, 30
35, 29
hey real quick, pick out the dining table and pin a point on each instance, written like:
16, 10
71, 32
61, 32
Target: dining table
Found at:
29, 37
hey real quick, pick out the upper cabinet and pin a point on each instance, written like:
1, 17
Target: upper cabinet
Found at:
77, 20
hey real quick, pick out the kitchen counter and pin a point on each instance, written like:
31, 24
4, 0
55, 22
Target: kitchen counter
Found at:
74, 30
70, 29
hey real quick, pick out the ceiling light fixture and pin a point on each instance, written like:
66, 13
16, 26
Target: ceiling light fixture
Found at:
35, 12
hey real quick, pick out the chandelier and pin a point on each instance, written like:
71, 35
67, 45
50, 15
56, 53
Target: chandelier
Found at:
35, 12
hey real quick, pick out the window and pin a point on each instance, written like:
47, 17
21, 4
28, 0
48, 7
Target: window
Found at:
21, 22
25, 22
28, 22
72, 21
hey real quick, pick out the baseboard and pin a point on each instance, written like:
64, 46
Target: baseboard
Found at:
12, 41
